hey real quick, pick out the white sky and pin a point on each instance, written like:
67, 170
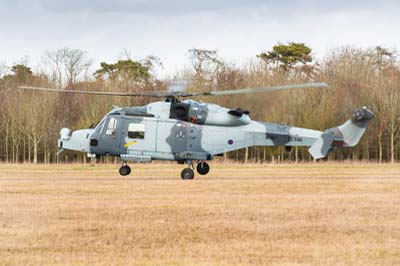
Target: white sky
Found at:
238, 29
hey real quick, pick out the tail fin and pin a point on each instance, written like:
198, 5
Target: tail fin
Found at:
353, 129
345, 135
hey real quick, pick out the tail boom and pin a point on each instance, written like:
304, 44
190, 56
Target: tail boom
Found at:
217, 139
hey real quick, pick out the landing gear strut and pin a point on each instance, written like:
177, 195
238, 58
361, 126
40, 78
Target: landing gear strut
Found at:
203, 168
124, 170
188, 173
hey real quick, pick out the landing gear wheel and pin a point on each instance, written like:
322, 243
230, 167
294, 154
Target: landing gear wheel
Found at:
124, 170
187, 174
203, 168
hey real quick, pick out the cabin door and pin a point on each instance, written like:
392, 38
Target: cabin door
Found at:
140, 135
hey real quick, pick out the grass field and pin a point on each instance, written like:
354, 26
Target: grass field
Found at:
311, 214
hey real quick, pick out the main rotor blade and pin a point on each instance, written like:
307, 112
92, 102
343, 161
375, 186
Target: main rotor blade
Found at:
178, 93
105, 93
254, 90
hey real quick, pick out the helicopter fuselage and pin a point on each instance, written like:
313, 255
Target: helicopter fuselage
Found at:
189, 130
182, 131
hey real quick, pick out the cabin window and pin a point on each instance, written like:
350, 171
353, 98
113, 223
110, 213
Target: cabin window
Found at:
112, 126
136, 131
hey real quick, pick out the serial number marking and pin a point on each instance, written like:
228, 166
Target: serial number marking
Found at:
289, 138
296, 139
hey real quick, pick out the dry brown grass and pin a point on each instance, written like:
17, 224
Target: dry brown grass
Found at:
313, 214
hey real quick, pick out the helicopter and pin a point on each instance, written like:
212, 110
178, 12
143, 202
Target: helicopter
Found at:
188, 131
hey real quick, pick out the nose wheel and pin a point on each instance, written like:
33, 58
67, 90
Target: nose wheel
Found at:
124, 170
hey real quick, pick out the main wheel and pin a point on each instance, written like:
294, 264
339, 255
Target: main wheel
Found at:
124, 170
203, 168
187, 173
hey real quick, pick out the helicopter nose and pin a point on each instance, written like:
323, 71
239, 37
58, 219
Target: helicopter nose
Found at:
65, 135
76, 141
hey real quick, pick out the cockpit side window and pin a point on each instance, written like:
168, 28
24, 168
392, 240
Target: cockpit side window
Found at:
100, 126
112, 126
136, 131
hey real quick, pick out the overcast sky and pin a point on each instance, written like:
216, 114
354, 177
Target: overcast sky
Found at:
238, 29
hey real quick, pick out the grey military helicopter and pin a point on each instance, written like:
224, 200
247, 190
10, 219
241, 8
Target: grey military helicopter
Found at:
189, 131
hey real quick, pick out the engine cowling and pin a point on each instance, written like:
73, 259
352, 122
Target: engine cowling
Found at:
208, 114
221, 116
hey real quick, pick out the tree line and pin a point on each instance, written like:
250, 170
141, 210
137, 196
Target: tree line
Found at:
30, 121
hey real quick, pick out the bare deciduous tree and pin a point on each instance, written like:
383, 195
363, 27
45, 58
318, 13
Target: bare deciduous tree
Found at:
206, 64
66, 65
